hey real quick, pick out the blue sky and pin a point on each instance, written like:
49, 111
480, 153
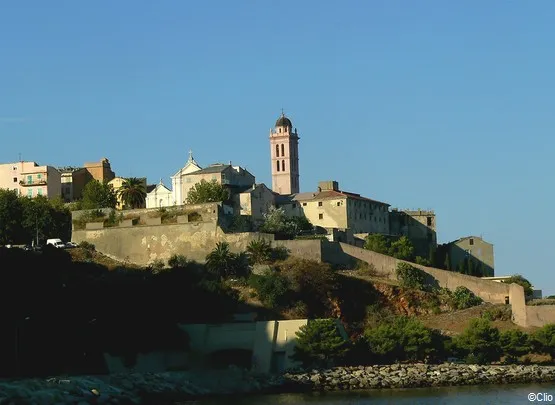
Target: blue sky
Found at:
428, 104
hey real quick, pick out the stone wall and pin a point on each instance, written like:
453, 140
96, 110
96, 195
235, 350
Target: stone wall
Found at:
144, 244
489, 291
540, 315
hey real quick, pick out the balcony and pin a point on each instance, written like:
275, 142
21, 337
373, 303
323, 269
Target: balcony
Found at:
31, 183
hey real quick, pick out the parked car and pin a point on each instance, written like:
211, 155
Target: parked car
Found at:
70, 245
57, 243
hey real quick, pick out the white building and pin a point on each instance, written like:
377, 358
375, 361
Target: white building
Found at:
178, 179
160, 197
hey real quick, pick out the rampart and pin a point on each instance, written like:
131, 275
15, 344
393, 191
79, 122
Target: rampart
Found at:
143, 244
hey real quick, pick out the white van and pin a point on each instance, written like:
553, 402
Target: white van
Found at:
57, 243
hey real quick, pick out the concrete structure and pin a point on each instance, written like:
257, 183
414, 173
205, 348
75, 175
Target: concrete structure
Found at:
329, 207
159, 196
417, 225
117, 183
284, 152
31, 180
471, 247
254, 202
178, 179
268, 343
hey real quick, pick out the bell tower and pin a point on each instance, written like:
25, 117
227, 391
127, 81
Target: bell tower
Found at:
284, 152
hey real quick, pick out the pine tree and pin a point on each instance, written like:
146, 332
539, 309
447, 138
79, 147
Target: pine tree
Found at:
447, 262
319, 344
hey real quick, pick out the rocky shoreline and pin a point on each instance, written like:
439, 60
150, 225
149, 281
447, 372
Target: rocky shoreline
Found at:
170, 387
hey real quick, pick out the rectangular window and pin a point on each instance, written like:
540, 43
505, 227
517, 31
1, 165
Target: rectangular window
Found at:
429, 221
39, 191
471, 241
277, 165
304, 204
29, 179
277, 150
319, 203
338, 203
15, 179
39, 176
320, 216
282, 150
30, 192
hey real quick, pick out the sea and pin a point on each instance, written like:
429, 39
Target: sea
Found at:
467, 395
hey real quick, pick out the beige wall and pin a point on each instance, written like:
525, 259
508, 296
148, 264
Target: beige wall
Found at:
342, 212
479, 250
255, 202
329, 213
10, 175
142, 244
101, 171
540, 315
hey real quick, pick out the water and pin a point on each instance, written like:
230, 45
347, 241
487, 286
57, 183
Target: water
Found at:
473, 395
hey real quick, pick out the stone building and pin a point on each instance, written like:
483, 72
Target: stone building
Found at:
74, 179
329, 208
284, 152
235, 178
474, 248
254, 202
419, 226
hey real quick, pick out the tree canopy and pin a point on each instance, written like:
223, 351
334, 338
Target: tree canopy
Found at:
22, 218
206, 192
276, 221
98, 195
133, 193
400, 248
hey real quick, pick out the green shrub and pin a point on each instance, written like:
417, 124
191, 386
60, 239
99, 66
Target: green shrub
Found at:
157, 265
543, 340
177, 261
272, 288
410, 276
502, 313
259, 251
464, 298
113, 219
518, 279
404, 338
87, 246
479, 343
319, 344
223, 263
514, 343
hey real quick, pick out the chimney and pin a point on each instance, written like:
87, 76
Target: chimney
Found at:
329, 185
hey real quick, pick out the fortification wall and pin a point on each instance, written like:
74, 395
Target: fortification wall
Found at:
540, 315
144, 244
489, 291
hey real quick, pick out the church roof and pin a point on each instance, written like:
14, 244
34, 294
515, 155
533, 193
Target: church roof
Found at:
283, 121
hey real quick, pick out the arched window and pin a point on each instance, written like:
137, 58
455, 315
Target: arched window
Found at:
282, 150
277, 150
277, 166
283, 165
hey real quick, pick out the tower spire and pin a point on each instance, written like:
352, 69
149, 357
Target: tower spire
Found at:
190, 155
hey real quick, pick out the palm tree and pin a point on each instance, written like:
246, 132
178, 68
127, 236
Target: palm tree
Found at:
133, 192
